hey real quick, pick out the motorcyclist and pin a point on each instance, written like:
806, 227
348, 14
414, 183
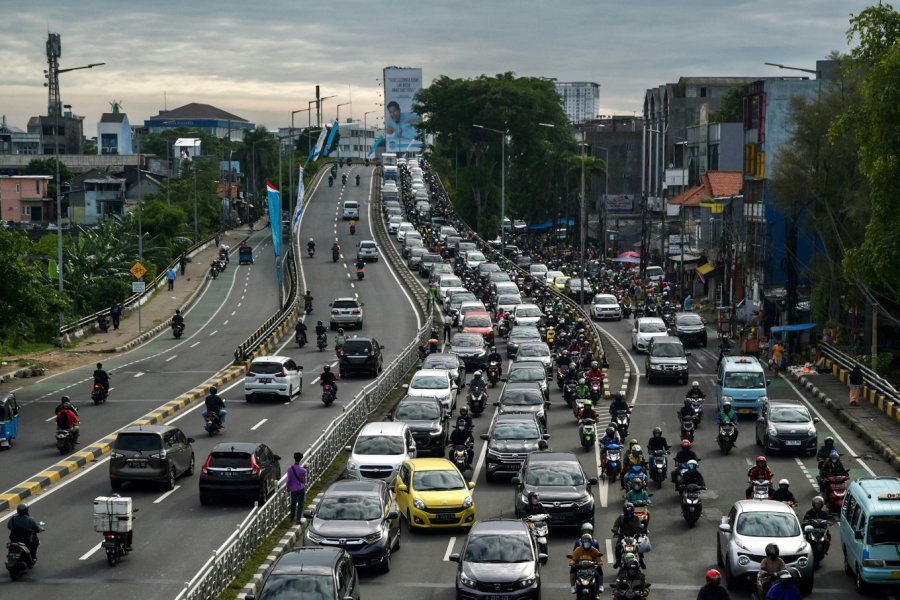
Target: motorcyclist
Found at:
587, 551
177, 318
572, 373
825, 451
611, 437
759, 472
321, 329
326, 377
300, 331
833, 467
65, 402
101, 378
682, 457
495, 356
785, 589
587, 411
686, 412
215, 403
631, 572
586, 528
595, 372
464, 415
657, 441
67, 420
695, 391
311, 245
618, 404
533, 506
462, 436
357, 179
582, 390
335, 249
24, 530
636, 457
627, 525
713, 589
308, 299
770, 565
477, 385
784, 493
637, 492
339, 339
818, 511
692, 475
360, 264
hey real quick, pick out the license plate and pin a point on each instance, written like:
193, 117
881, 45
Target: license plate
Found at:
744, 411
498, 597
445, 518
138, 464
895, 574
265, 380
792, 443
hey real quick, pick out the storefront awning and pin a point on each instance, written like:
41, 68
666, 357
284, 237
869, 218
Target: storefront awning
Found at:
706, 269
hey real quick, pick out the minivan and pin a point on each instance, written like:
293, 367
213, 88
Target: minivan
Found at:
742, 380
379, 450
351, 210
152, 453
870, 531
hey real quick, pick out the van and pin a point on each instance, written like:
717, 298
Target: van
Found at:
379, 449
870, 531
742, 381
351, 210
391, 173
151, 454
655, 273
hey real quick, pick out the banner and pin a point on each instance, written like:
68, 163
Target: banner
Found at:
400, 122
375, 144
320, 143
274, 197
334, 130
299, 210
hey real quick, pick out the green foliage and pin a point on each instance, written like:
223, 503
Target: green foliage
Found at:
48, 167
883, 362
731, 107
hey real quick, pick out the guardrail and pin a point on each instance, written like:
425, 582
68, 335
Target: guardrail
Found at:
873, 380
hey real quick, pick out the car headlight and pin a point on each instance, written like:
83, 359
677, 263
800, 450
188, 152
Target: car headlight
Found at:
584, 500
352, 466
743, 560
867, 562
374, 537
763, 398
313, 537
467, 503
528, 581
466, 581
540, 415
492, 452
523, 499
437, 428
417, 502
803, 561
772, 432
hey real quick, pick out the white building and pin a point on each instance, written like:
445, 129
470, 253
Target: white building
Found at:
355, 141
580, 99
114, 133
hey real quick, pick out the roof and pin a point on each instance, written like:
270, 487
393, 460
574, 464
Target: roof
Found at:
552, 457
147, 429
500, 526
113, 118
196, 110
764, 506
431, 464
246, 447
322, 559
383, 427
355, 486
714, 184
96, 176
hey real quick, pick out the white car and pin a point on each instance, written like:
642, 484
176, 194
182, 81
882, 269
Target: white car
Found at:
368, 250
527, 314
606, 306
474, 258
433, 383
538, 270
351, 210
445, 283
445, 231
447, 293
379, 450
655, 273
508, 302
645, 329
345, 312
394, 224
273, 376
403, 228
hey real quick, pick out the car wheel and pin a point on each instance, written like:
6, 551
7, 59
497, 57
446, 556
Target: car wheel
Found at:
290, 393
730, 582
847, 569
263, 492
190, 470
396, 547
386, 563
756, 437
409, 524
861, 585
170, 482
248, 398
719, 562
205, 499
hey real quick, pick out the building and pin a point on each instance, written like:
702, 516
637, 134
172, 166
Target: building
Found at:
209, 119
580, 99
713, 147
25, 198
94, 196
354, 141
14, 140
114, 134
64, 137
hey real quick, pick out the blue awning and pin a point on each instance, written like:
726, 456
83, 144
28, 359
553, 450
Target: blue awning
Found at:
801, 327
549, 223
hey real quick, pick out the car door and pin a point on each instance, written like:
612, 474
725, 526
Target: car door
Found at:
404, 476
725, 538
170, 444
186, 451
389, 505
294, 374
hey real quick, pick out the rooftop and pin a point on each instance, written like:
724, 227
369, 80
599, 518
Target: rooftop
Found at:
714, 184
195, 110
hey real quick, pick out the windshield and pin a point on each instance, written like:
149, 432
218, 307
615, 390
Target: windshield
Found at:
489, 268
522, 398
524, 334
745, 381
605, 300
668, 350
438, 361
497, 548
298, 585
467, 341
417, 411
519, 430
349, 508
532, 350
794, 414
265, 368
690, 320
357, 348
654, 272
449, 282
434, 481
460, 297
527, 374
652, 327
474, 256
768, 524
528, 311
138, 442
884, 530
509, 299
559, 473
576, 283
477, 321
429, 382
375, 445
345, 304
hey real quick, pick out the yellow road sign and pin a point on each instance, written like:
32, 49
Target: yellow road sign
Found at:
138, 270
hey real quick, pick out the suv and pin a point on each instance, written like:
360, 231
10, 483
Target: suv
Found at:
606, 306
368, 251
690, 329
361, 517
351, 210
158, 453
346, 312
361, 355
379, 449
245, 469
666, 359
509, 440
320, 573
560, 481
277, 376
427, 419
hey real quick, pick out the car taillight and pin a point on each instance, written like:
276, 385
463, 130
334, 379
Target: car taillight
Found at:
355, 311
255, 467
282, 373
204, 470
335, 311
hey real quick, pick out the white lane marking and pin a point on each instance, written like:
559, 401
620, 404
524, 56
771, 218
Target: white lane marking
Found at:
16, 390
214, 332
195, 344
167, 494
242, 296
111, 389
352, 285
239, 304
482, 455
806, 473
53, 418
226, 322
139, 373
233, 313
174, 356
258, 425
58, 486
90, 552
348, 275
450, 543
609, 551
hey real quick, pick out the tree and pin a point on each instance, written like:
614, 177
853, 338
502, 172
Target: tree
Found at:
731, 107
48, 167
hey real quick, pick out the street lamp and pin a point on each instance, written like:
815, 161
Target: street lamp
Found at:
503, 135
291, 136
319, 105
683, 144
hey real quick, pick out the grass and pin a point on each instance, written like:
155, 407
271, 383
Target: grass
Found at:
12, 352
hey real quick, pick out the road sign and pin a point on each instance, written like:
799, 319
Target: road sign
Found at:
138, 270
138, 287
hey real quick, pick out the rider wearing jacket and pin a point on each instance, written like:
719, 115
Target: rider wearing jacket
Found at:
611, 437
586, 550
682, 457
178, 318
784, 493
494, 356
326, 377
67, 420
627, 525
692, 475
657, 442
695, 391
833, 467
587, 411
618, 404
727, 415
582, 390
321, 329
300, 330
759, 472
307, 299
215, 403
24, 530
595, 372
825, 451
101, 377
462, 436
818, 511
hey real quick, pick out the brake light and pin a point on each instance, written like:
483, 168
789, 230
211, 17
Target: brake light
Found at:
109, 536
254, 466
355, 311
204, 470
282, 373
335, 311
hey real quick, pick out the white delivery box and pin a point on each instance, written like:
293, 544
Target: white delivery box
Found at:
112, 513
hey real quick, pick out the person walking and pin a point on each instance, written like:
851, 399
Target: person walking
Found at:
170, 276
856, 382
296, 484
182, 262
115, 313
448, 330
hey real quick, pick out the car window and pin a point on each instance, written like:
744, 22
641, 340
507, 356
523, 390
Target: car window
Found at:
524, 334
652, 327
169, 439
349, 508
534, 350
793, 414
403, 474
291, 365
265, 368
517, 430
440, 361
557, 473
433, 481
743, 380
667, 350
884, 529
522, 398
357, 347
477, 321
428, 382
374, 445
138, 442
497, 548
689, 320
527, 311
417, 411
767, 524
232, 460
299, 585
527, 374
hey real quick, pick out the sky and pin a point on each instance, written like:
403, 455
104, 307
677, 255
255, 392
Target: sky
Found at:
262, 59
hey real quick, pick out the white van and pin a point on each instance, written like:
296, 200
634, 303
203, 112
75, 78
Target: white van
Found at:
351, 210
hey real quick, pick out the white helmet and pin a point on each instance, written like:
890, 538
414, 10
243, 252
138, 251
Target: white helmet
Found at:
477, 374
783, 482
695, 384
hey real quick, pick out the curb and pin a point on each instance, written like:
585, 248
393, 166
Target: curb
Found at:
626, 379
28, 371
852, 423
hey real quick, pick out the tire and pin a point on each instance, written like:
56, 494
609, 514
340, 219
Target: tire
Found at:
112, 557
248, 398
409, 524
386, 563
190, 470
290, 393
806, 585
719, 562
756, 437
730, 582
396, 547
847, 569
170, 482
859, 583
205, 500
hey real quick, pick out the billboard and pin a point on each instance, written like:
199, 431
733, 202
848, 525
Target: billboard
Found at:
400, 122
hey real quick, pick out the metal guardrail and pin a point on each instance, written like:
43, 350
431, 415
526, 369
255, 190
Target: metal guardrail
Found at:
873, 380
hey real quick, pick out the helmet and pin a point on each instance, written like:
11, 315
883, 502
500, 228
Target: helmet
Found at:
493, 349
636, 449
829, 441
587, 537
581, 381
713, 576
463, 411
477, 374
636, 484
628, 510
588, 403
610, 431
632, 564
685, 444
834, 455
326, 368
571, 366
632, 442
772, 550
785, 575
687, 401
341, 330
461, 423
581, 337
22, 509
819, 500
594, 364
692, 464
312, 240
620, 396
695, 384
587, 528
784, 483
726, 403
99, 365
213, 389
318, 322
65, 400
761, 459
657, 431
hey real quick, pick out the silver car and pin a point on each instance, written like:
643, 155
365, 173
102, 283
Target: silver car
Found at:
368, 250
345, 312
537, 351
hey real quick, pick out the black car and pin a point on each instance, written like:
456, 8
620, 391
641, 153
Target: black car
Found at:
498, 560
524, 398
239, 469
471, 348
429, 259
314, 573
509, 440
521, 334
151, 453
428, 422
690, 329
575, 286
360, 356
359, 516
786, 425
560, 482
447, 362
485, 270
666, 359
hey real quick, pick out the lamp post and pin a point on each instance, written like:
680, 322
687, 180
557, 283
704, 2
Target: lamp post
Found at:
503, 134
320, 105
291, 137
194, 165
683, 144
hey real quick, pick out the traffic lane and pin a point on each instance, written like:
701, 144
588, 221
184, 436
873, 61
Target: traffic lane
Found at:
138, 385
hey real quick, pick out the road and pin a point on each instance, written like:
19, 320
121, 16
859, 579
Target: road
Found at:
162, 560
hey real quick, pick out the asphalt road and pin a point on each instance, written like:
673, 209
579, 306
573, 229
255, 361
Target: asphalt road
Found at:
174, 534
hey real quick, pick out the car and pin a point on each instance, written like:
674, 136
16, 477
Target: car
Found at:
507, 302
447, 295
248, 470
276, 377
564, 489
745, 532
428, 421
559, 283
152, 453
605, 306
404, 227
433, 383
394, 224
499, 559
429, 260
445, 232
416, 253
500, 288
690, 329
529, 371
524, 397
379, 449
485, 270
478, 321
536, 351
432, 494
742, 381
510, 438
784, 425
361, 355
471, 349
358, 516
521, 334
578, 288
869, 519
345, 312
471, 306
316, 573
447, 362
457, 299
368, 251
655, 273
498, 277
550, 276
538, 270
451, 242
464, 246
528, 314
351, 210
666, 359
445, 282
474, 258
645, 329
523, 261
410, 242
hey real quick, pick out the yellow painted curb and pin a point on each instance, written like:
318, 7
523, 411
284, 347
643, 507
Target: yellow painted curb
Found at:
53, 476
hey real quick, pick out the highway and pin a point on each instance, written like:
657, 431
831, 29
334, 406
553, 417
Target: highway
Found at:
174, 534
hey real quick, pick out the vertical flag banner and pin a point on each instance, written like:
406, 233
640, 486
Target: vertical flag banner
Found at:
320, 142
400, 122
300, 192
375, 144
334, 130
274, 197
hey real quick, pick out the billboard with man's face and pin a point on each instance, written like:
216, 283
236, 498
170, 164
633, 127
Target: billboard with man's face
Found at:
400, 122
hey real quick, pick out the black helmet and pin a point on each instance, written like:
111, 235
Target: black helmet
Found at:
213, 389
463, 411
327, 368
65, 400
628, 510
610, 431
657, 431
99, 365
772, 550
22, 509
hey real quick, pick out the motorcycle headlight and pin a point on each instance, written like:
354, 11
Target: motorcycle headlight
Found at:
467, 503
417, 502
466, 581
528, 581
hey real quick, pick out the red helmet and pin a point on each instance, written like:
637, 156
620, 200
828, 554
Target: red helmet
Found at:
713, 575
761, 459
685, 444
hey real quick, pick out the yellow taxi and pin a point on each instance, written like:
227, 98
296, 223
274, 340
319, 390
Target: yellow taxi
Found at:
559, 284
432, 494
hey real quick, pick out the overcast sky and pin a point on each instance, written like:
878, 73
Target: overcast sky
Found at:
262, 59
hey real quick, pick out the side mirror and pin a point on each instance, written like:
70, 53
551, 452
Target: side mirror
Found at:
277, 457
405, 386
393, 514
725, 528
348, 448
471, 485
768, 382
485, 437
454, 557
191, 440
815, 419
362, 303
330, 303
308, 513
543, 557
545, 436
401, 487
807, 528
858, 535
515, 481
593, 481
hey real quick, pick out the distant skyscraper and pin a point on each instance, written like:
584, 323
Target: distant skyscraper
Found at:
580, 99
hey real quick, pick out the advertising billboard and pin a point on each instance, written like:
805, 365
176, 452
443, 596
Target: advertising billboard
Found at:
400, 122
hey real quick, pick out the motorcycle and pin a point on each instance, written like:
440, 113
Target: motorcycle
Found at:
687, 427
762, 489
353, 229
642, 512
476, 402
344, 179
626, 310
596, 385
300, 338
539, 530
213, 270
99, 394
632, 473
360, 273
493, 373
307, 306
335, 255
697, 405
503, 327
114, 543
65, 441
311, 251
330, 181
222, 264
459, 456
587, 433
569, 393
357, 181
321, 341
585, 579
562, 371
613, 461
212, 424
725, 439
630, 589
691, 504
177, 330
835, 490
18, 558
621, 420
659, 466
327, 395
764, 581
816, 533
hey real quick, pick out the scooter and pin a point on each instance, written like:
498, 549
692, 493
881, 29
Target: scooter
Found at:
360, 273
344, 179
357, 181
476, 402
587, 433
311, 251
659, 466
691, 504
103, 323
307, 306
18, 558
539, 530
212, 424
177, 330
626, 310
99, 394
596, 385
460, 457
613, 461
725, 439
335, 255
214, 270
630, 589
697, 405
687, 427
353, 229
762, 489
327, 394
569, 393
632, 473
493, 373
816, 533
585, 579
835, 490
65, 441
621, 420
300, 338
321, 341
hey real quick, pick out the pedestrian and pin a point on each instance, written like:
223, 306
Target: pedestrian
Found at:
296, 485
170, 276
216, 238
432, 293
182, 262
688, 303
115, 313
856, 382
448, 331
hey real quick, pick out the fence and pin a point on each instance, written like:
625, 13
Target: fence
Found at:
873, 380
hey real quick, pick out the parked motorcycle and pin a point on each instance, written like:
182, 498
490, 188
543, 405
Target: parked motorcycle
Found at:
816, 533
493, 373
725, 439
18, 558
327, 394
99, 394
212, 425
65, 441
659, 466
587, 433
539, 530
691, 503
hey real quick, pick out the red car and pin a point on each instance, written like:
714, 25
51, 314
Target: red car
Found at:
479, 322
